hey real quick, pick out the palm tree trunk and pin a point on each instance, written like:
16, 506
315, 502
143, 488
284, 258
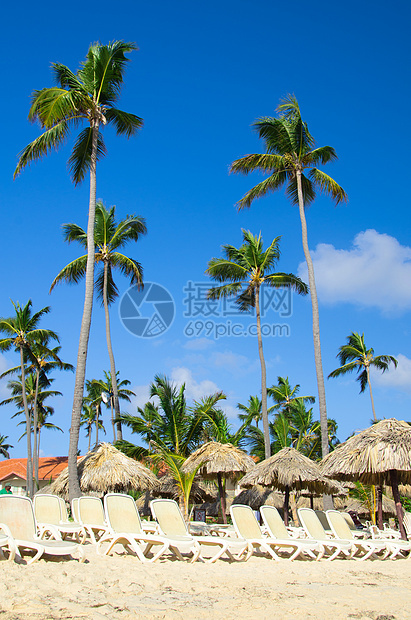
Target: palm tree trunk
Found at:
35, 421
371, 396
286, 502
111, 355
112, 418
97, 421
316, 323
266, 427
74, 485
29, 468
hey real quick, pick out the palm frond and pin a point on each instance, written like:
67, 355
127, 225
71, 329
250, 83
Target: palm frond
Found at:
287, 280
50, 140
327, 185
73, 232
71, 273
80, 159
126, 124
274, 182
308, 190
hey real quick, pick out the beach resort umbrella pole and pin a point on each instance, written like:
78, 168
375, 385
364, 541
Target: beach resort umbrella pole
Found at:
286, 503
397, 500
221, 491
379, 507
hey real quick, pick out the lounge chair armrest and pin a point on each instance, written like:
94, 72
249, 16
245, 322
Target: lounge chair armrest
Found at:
5, 528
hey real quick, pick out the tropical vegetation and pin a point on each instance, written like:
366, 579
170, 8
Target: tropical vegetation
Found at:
241, 273
89, 96
291, 160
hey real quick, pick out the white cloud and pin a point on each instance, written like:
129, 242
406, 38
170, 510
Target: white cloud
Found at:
398, 378
194, 389
142, 395
199, 344
375, 272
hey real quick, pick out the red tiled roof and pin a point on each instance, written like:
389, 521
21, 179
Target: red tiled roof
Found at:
49, 467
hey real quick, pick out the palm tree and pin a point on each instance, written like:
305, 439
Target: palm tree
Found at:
21, 332
354, 356
4, 447
289, 153
252, 411
109, 237
251, 266
94, 398
107, 395
88, 95
284, 395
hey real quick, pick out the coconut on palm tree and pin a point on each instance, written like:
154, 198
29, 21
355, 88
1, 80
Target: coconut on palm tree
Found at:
109, 238
291, 159
355, 357
89, 96
242, 272
21, 332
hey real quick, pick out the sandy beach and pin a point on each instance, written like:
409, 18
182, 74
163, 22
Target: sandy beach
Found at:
119, 587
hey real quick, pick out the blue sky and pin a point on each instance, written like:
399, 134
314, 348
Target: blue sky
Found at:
204, 72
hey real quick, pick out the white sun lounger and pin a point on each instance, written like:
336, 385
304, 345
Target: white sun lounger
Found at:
276, 529
314, 529
247, 526
125, 528
18, 522
91, 516
51, 516
7, 542
172, 525
366, 547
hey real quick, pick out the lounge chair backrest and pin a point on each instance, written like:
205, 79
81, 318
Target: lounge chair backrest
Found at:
339, 525
47, 508
407, 523
122, 514
74, 509
323, 519
18, 514
169, 517
244, 520
91, 510
274, 523
348, 518
63, 510
311, 524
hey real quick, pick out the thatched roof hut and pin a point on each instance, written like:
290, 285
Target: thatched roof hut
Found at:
376, 455
107, 470
200, 491
257, 496
289, 469
215, 460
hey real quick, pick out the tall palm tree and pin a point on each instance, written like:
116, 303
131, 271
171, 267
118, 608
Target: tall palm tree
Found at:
109, 237
354, 356
291, 160
4, 447
94, 398
284, 395
252, 411
89, 96
250, 266
107, 394
21, 331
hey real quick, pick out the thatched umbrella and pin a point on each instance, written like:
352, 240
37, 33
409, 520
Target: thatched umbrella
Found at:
258, 496
107, 470
288, 469
379, 454
216, 460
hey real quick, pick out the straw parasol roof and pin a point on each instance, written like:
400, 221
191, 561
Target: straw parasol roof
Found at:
200, 492
216, 460
289, 469
372, 453
376, 455
219, 458
257, 496
106, 470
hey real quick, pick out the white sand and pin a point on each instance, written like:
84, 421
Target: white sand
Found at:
119, 587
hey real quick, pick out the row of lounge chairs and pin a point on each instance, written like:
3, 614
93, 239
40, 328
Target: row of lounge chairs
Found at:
45, 529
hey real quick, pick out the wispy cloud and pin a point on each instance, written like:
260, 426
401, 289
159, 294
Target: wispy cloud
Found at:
374, 272
398, 378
